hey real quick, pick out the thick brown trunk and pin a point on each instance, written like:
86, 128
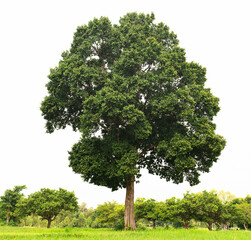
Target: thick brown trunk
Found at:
49, 223
129, 205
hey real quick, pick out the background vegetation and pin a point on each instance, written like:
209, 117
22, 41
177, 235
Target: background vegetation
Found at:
213, 210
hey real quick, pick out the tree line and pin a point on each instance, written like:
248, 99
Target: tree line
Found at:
59, 208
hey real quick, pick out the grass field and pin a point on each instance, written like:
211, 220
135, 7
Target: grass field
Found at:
92, 234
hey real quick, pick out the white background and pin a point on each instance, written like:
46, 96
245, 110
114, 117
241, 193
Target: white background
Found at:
33, 34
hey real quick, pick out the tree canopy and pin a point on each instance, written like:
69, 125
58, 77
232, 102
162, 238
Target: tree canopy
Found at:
9, 203
109, 214
185, 208
147, 209
48, 203
138, 103
210, 208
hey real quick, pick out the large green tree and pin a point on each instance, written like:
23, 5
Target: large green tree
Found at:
138, 103
9, 203
48, 203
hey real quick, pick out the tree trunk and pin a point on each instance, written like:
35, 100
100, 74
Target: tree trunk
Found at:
210, 226
244, 225
186, 224
8, 218
154, 224
49, 223
129, 205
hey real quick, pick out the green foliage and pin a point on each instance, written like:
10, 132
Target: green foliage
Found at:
141, 224
228, 214
205, 209
210, 208
180, 211
63, 219
247, 199
109, 214
33, 220
242, 213
148, 209
167, 209
137, 102
9, 209
48, 203
186, 208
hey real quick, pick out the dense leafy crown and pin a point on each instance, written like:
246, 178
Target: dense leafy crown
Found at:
9, 202
48, 203
137, 102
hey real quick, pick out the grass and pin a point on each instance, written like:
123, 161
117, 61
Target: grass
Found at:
28, 233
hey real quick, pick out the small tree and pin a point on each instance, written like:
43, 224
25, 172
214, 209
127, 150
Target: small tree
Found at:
247, 199
146, 209
228, 214
186, 208
138, 103
83, 207
48, 203
210, 208
167, 210
242, 211
244, 214
109, 214
89, 217
180, 210
9, 203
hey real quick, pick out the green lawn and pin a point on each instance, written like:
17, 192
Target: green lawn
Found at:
77, 233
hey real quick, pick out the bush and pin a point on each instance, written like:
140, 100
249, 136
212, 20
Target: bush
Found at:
141, 224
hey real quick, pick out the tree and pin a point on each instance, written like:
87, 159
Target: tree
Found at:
167, 210
48, 203
186, 208
147, 209
228, 214
180, 210
83, 207
242, 214
138, 103
9, 203
109, 214
247, 199
210, 208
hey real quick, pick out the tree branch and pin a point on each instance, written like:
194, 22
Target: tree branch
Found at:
103, 126
146, 99
147, 149
147, 69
